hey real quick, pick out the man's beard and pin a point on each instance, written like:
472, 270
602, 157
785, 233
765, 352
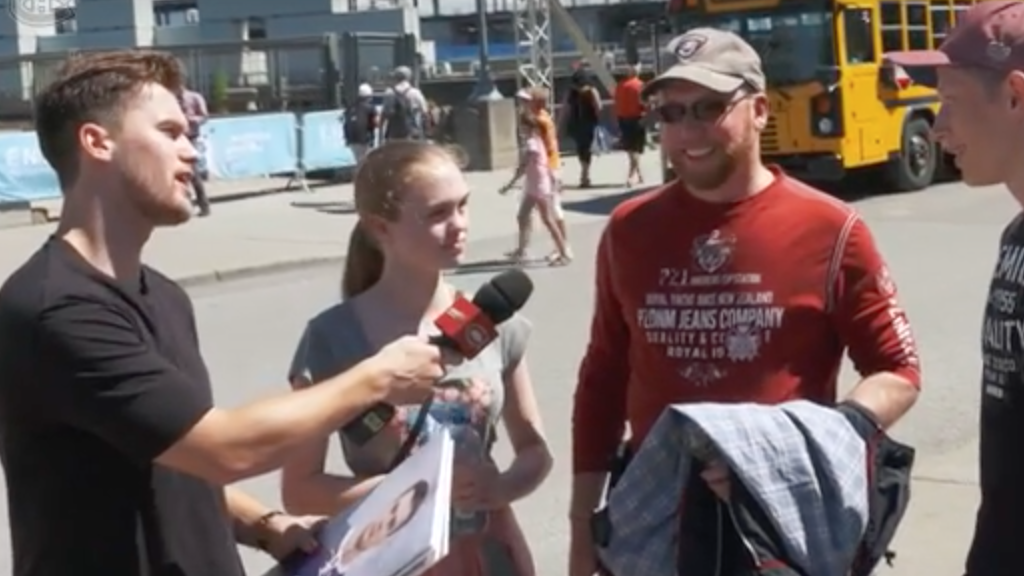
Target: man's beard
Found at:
151, 200
713, 177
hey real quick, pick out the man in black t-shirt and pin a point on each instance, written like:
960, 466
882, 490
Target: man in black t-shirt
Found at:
115, 457
980, 72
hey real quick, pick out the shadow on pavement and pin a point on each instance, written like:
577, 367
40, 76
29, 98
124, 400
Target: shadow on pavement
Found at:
497, 265
866, 184
327, 207
578, 188
602, 205
853, 188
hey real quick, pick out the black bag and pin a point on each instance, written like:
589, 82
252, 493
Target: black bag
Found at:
890, 464
403, 118
357, 124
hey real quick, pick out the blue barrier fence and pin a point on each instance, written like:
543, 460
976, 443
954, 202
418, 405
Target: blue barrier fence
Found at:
230, 148
251, 146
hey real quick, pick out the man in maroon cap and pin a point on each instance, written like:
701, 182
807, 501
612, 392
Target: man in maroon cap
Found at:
980, 71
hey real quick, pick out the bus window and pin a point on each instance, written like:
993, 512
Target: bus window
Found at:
962, 6
942, 21
794, 40
917, 26
892, 27
860, 46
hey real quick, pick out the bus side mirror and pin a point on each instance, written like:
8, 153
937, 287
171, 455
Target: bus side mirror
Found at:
887, 75
896, 77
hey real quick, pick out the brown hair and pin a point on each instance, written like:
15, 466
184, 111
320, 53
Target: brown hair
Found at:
94, 87
379, 181
991, 80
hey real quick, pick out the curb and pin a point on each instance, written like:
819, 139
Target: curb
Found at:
247, 272
42, 215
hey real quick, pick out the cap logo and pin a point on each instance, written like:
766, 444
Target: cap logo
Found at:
997, 50
689, 46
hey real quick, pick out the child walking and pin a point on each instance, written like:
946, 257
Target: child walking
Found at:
537, 102
539, 194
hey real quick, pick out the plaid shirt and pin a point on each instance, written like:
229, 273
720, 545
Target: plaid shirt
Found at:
803, 463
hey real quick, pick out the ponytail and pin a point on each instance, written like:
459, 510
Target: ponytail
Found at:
363, 265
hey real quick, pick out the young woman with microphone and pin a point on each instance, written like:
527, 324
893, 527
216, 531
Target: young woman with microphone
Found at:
412, 201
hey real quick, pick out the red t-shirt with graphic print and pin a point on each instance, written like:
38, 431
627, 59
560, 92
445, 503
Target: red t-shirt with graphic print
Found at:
753, 301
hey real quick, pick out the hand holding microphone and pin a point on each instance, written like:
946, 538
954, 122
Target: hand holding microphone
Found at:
467, 329
414, 365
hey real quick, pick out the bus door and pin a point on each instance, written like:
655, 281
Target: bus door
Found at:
859, 57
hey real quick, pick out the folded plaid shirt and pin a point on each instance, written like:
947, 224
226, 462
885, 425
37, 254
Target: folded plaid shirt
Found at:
803, 463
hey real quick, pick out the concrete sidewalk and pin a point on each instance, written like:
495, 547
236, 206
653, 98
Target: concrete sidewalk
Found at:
937, 530
284, 230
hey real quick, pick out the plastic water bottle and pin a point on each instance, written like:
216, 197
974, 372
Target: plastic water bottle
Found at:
469, 450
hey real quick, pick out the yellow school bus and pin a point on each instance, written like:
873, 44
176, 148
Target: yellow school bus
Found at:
837, 104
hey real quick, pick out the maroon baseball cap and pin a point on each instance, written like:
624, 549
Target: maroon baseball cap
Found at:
989, 35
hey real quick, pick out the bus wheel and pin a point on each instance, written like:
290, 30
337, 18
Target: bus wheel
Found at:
914, 168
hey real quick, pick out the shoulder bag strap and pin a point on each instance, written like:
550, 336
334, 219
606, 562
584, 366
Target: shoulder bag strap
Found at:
414, 435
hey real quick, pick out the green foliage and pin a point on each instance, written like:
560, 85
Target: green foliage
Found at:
219, 91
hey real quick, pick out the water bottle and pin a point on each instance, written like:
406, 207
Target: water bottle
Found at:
469, 450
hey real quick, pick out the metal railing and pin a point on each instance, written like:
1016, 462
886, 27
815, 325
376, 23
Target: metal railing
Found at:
272, 74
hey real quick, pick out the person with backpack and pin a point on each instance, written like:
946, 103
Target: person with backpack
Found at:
360, 122
583, 116
405, 108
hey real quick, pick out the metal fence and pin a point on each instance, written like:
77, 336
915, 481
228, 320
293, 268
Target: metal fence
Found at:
273, 74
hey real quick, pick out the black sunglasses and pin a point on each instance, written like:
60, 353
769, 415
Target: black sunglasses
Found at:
706, 110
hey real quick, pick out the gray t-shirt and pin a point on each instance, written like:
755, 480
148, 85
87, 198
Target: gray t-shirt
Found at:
471, 405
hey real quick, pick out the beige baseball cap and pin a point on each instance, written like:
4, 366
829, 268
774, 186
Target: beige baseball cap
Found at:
718, 60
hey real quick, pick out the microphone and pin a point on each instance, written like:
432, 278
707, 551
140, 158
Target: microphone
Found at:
467, 327
470, 327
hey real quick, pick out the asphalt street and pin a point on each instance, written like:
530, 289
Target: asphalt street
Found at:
940, 244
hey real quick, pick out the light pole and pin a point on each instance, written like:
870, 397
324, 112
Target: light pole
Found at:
485, 88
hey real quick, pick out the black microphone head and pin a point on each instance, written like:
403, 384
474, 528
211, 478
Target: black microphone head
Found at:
504, 295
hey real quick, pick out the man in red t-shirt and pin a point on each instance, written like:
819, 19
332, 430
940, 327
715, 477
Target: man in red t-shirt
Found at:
735, 283
629, 112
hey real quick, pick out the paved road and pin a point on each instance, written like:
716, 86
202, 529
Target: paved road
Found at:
940, 244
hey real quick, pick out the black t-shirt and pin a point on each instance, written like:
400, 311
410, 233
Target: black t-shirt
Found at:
997, 550
98, 378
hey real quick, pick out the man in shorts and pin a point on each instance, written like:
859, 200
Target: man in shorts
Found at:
629, 111
980, 74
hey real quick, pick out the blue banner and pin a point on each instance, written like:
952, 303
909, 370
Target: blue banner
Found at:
323, 141
251, 146
24, 173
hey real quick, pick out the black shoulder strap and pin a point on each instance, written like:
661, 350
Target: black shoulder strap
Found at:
414, 435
